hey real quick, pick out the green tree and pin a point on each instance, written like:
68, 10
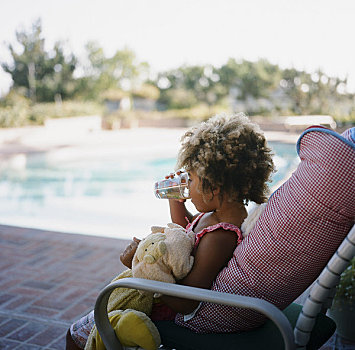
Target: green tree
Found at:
315, 93
200, 83
120, 71
250, 79
42, 75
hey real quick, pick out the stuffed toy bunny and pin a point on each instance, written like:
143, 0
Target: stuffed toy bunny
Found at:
164, 255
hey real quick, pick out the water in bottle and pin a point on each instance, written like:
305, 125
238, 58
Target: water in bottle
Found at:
173, 188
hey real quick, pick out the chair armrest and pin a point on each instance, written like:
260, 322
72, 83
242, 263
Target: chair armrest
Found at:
109, 337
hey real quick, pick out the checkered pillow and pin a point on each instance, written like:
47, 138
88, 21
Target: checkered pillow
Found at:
304, 222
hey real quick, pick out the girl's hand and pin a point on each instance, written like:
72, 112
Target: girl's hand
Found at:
127, 256
171, 175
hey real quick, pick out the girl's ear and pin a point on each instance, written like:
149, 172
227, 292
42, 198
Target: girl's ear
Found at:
211, 195
216, 191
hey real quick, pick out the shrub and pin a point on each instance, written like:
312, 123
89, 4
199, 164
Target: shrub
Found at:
16, 111
346, 288
147, 91
120, 119
11, 117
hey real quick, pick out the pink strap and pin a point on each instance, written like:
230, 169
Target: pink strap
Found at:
225, 225
191, 225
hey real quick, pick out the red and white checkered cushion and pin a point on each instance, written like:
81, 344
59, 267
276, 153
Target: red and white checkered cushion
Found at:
304, 222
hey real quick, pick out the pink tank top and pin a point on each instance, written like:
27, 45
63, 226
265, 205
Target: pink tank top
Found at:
225, 225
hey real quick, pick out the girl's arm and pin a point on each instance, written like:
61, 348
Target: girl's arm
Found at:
179, 213
213, 253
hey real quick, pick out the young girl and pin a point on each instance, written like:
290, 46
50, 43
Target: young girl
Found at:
229, 164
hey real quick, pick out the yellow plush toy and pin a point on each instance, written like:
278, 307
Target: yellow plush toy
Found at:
133, 328
164, 255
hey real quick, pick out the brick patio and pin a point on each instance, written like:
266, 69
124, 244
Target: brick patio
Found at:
47, 280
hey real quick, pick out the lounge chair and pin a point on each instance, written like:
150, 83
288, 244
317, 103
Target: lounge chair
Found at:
304, 232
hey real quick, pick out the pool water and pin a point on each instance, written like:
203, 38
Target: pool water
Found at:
105, 196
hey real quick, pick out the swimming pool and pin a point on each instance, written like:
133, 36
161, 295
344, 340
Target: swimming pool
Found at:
101, 194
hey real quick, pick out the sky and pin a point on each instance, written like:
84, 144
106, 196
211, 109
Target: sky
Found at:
304, 34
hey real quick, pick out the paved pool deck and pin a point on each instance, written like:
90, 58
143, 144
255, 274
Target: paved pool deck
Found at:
79, 135
50, 279
47, 280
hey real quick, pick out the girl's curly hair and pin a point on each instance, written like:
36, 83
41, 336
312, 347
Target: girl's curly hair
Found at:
229, 153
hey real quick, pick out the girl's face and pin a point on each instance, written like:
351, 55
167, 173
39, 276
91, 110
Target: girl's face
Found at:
203, 202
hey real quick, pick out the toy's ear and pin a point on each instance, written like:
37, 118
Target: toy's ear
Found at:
172, 225
162, 247
173, 229
157, 229
148, 259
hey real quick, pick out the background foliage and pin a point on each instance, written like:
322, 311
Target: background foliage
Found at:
45, 80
